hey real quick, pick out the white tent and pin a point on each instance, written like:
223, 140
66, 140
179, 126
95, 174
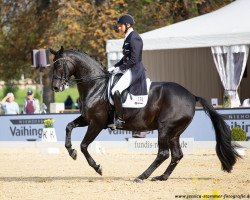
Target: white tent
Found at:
226, 30
224, 27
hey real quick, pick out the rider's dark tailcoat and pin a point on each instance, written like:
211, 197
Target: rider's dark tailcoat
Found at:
132, 59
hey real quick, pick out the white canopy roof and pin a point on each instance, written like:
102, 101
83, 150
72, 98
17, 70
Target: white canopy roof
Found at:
224, 27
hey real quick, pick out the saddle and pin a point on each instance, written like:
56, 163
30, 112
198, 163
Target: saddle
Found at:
128, 100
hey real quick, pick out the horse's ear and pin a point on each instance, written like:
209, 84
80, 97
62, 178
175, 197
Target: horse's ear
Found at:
62, 49
52, 51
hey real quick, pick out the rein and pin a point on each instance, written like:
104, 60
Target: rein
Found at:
66, 80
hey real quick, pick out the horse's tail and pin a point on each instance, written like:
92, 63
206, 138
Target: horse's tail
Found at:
225, 149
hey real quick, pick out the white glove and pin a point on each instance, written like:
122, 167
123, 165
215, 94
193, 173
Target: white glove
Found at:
110, 69
117, 70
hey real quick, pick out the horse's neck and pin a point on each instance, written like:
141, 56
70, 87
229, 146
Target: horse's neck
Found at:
92, 91
93, 84
87, 67
89, 74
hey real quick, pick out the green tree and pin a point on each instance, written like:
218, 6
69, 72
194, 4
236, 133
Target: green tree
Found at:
151, 14
15, 42
79, 24
21, 30
84, 25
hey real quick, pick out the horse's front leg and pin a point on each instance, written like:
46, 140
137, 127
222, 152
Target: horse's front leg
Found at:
78, 122
92, 132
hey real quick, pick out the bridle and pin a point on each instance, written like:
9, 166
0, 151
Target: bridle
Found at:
65, 79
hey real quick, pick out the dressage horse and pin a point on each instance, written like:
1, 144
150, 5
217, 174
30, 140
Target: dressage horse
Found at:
170, 109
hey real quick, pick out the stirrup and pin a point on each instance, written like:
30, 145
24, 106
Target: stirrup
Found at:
117, 124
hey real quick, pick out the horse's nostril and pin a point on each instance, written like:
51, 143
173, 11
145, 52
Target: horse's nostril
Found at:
55, 88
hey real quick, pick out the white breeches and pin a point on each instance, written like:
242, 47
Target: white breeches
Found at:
123, 83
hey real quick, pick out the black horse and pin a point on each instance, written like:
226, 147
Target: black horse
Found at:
170, 109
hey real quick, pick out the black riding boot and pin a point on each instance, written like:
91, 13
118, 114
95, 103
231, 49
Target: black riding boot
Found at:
119, 111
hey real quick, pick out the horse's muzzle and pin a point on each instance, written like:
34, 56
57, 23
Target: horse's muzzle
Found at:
56, 89
57, 86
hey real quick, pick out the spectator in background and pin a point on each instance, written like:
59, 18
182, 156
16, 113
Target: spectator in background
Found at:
8, 105
68, 103
31, 104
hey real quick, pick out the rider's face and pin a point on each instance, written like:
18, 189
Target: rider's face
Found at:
122, 28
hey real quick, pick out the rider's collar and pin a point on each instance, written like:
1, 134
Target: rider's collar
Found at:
128, 32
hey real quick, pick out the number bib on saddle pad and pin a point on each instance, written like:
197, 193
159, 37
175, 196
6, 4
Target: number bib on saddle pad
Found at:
129, 100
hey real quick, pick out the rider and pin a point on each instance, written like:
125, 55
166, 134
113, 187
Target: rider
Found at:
130, 65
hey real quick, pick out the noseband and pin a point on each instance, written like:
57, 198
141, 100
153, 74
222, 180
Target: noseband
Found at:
65, 76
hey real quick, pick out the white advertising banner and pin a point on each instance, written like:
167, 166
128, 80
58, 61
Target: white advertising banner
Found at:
202, 128
30, 127
150, 145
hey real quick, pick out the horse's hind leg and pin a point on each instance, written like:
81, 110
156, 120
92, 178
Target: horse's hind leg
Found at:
176, 156
78, 122
163, 154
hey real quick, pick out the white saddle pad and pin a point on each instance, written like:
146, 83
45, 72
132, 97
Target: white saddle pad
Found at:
132, 101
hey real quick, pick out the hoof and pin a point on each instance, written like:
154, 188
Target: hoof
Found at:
138, 180
74, 154
159, 178
99, 170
